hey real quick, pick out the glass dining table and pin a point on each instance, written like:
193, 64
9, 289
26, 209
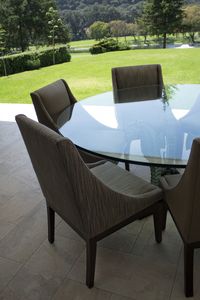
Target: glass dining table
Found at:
151, 125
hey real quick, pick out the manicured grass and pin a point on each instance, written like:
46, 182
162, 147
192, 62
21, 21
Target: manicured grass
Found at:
88, 75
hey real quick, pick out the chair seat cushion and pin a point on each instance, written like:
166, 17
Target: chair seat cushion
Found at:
124, 182
170, 181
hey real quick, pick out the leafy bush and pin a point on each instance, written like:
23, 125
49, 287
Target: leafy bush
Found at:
33, 64
33, 60
108, 45
61, 55
96, 49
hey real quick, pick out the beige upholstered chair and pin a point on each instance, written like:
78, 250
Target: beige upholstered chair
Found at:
49, 101
182, 196
94, 202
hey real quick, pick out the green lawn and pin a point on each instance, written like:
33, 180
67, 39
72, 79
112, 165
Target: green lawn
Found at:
88, 75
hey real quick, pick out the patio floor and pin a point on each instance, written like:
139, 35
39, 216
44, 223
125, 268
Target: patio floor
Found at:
130, 265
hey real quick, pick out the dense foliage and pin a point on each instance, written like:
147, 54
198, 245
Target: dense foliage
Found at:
32, 60
80, 14
108, 45
163, 17
25, 22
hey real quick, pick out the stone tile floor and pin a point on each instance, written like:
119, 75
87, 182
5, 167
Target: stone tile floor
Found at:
130, 265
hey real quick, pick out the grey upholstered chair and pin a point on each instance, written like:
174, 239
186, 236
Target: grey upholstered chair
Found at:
135, 76
94, 202
52, 99
182, 196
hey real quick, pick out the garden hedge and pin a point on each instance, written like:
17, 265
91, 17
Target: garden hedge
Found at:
32, 60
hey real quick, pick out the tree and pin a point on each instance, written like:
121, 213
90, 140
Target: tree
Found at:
98, 30
191, 20
24, 21
142, 28
118, 28
163, 17
3, 47
58, 32
132, 29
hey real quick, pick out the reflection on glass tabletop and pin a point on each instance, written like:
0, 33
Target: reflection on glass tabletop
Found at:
150, 125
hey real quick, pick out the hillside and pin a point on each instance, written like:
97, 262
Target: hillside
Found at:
80, 14
81, 4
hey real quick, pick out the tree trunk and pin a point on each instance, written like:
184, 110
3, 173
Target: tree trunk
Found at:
21, 38
192, 36
4, 66
164, 40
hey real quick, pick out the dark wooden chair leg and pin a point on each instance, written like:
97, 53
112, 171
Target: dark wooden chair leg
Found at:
91, 248
188, 269
157, 218
127, 166
164, 217
51, 224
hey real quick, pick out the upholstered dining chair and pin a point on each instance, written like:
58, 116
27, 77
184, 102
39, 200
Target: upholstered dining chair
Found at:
182, 198
125, 78
49, 102
135, 76
94, 202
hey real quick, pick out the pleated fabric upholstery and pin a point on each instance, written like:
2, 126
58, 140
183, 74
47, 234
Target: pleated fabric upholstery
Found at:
90, 200
49, 102
136, 76
183, 196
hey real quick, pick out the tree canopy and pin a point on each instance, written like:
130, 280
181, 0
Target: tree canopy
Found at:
25, 22
191, 20
80, 14
162, 17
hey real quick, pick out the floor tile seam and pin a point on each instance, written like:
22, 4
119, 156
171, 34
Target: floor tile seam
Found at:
11, 259
129, 252
118, 294
176, 272
138, 235
8, 283
29, 257
21, 219
7, 223
121, 252
66, 276
24, 262
70, 238
84, 285
146, 240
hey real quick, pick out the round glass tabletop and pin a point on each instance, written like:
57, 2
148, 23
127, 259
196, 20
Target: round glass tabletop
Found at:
148, 125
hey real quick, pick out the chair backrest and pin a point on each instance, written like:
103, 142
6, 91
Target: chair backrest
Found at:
136, 76
184, 199
68, 185
49, 101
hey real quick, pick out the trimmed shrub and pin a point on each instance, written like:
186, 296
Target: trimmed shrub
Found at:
33, 60
108, 45
61, 55
96, 49
33, 64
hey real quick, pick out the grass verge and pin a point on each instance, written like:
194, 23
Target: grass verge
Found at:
88, 75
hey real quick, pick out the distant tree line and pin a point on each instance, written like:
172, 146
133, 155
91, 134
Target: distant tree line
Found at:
24, 23
80, 14
158, 18
86, 14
